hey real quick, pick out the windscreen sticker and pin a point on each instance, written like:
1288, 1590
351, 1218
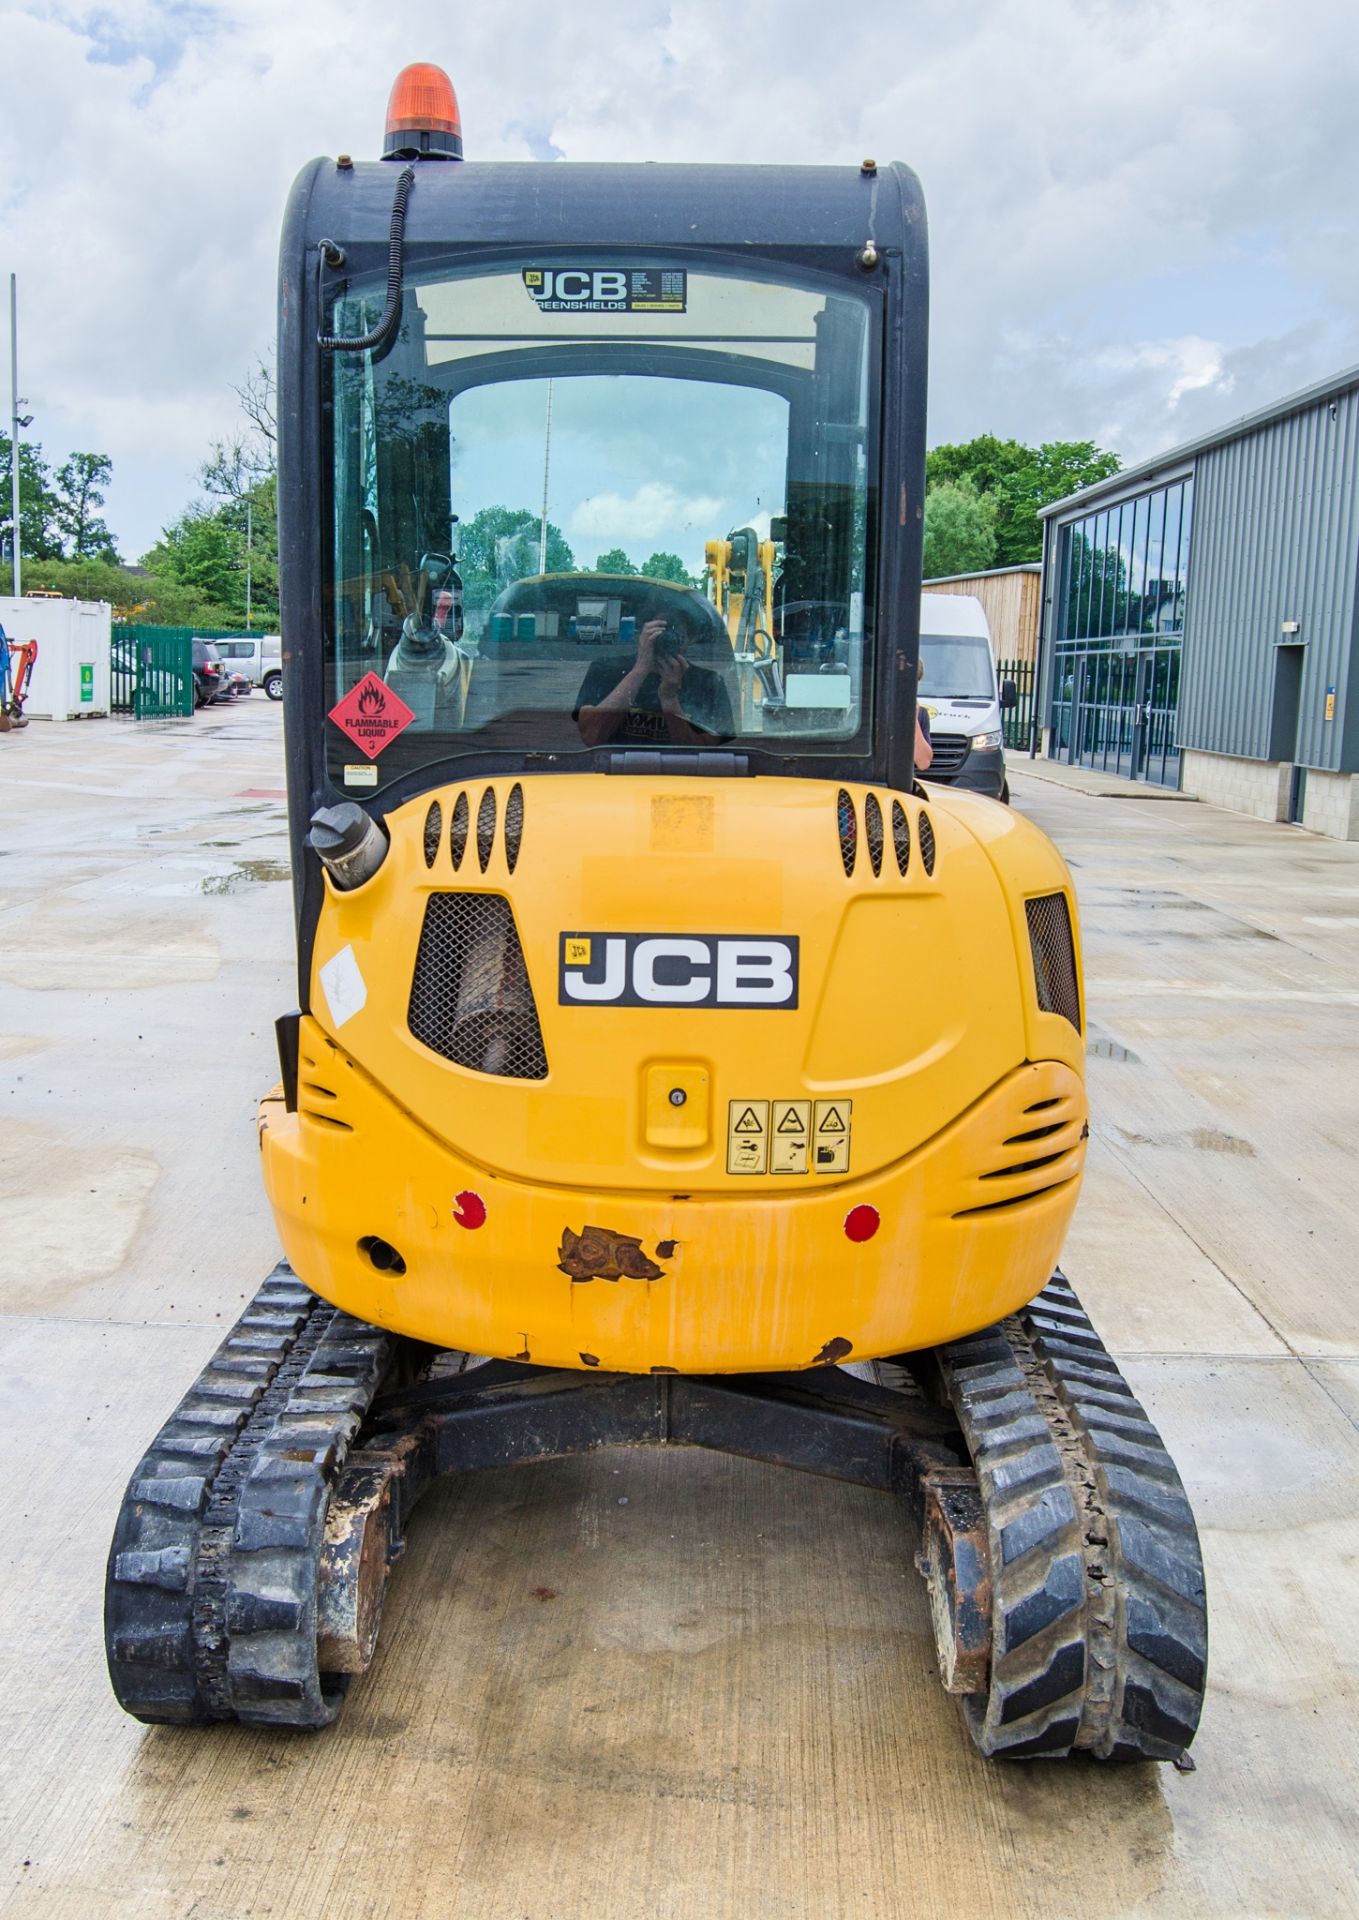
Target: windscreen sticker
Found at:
371, 715
608, 289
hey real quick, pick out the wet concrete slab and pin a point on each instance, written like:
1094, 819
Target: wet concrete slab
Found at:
665, 1684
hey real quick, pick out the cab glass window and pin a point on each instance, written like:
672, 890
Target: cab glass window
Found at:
580, 506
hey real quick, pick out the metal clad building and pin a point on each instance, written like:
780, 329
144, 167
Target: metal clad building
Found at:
1201, 615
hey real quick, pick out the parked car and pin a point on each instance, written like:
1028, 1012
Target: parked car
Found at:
259, 656
209, 675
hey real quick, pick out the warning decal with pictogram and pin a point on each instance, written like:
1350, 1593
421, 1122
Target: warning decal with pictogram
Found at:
831, 1134
371, 715
748, 1136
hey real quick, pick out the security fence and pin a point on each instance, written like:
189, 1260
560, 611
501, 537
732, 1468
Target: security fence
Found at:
151, 669
1017, 720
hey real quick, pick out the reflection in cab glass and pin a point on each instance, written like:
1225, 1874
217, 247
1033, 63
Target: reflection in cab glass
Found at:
635, 524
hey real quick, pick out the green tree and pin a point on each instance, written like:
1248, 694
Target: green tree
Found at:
39, 535
80, 494
1020, 480
667, 566
960, 529
500, 545
614, 561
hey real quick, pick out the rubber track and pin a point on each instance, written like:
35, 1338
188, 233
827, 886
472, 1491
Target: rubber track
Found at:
210, 1601
1099, 1618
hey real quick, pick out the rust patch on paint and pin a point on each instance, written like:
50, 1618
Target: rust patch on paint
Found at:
590, 1359
665, 1249
665, 1369
544, 1593
598, 1253
833, 1352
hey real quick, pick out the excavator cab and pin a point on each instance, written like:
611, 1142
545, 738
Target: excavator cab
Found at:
669, 1064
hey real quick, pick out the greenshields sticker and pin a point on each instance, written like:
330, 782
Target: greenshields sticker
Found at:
607, 289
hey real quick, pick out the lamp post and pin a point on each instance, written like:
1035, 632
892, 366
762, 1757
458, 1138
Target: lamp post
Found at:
17, 421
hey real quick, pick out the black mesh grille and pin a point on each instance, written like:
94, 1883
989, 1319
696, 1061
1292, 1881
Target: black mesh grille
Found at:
924, 833
847, 822
486, 827
514, 825
457, 838
873, 831
470, 997
1054, 956
901, 836
950, 751
434, 831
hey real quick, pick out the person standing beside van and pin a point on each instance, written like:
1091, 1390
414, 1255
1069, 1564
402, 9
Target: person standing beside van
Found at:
924, 746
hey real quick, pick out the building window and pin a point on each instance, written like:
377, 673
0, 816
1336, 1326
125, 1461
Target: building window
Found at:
1116, 671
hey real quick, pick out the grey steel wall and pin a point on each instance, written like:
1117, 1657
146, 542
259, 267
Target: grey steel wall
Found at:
1275, 538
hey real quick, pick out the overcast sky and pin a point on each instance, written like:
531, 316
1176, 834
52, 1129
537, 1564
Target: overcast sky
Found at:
1142, 214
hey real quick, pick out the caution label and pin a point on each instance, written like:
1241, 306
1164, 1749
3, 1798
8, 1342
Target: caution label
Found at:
790, 1136
371, 715
748, 1136
830, 1136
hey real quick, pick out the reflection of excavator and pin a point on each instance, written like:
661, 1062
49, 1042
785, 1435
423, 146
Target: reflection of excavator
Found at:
704, 1083
16, 670
739, 579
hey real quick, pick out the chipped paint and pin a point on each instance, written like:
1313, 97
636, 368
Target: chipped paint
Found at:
834, 1352
599, 1253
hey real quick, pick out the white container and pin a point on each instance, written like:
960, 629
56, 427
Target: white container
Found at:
71, 674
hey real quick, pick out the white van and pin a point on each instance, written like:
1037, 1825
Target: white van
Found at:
959, 693
259, 656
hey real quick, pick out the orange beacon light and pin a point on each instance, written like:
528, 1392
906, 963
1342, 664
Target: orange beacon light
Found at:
423, 122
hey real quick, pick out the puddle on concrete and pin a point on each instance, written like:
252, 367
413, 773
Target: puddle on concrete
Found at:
1202, 1139
248, 873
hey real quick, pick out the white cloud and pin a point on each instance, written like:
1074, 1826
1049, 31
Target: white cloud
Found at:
654, 512
1191, 364
1108, 184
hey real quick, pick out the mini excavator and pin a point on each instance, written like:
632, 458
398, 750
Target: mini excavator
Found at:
669, 1066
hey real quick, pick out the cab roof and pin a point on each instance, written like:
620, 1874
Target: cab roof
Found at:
559, 204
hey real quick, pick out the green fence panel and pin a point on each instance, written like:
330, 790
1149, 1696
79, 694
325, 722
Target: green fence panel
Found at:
1017, 720
152, 668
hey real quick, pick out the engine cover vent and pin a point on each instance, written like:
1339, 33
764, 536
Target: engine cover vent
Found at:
457, 836
434, 831
486, 827
471, 1000
847, 823
873, 832
901, 837
514, 825
1054, 956
925, 835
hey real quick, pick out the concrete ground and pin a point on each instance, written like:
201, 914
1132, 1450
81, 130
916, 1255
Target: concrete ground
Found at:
728, 1707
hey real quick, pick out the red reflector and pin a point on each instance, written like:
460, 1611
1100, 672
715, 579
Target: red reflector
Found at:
861, 1223
469, 1209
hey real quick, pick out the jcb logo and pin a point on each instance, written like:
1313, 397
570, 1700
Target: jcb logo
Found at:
577, 285
677, 970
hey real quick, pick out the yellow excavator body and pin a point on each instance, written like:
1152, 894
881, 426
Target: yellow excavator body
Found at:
873, 1147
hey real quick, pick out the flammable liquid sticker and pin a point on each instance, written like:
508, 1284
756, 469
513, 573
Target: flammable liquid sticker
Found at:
371, 715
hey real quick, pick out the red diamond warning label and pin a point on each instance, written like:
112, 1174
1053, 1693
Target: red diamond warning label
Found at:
372, 715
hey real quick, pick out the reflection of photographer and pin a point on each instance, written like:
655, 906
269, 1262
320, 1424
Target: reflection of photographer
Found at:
658, 697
